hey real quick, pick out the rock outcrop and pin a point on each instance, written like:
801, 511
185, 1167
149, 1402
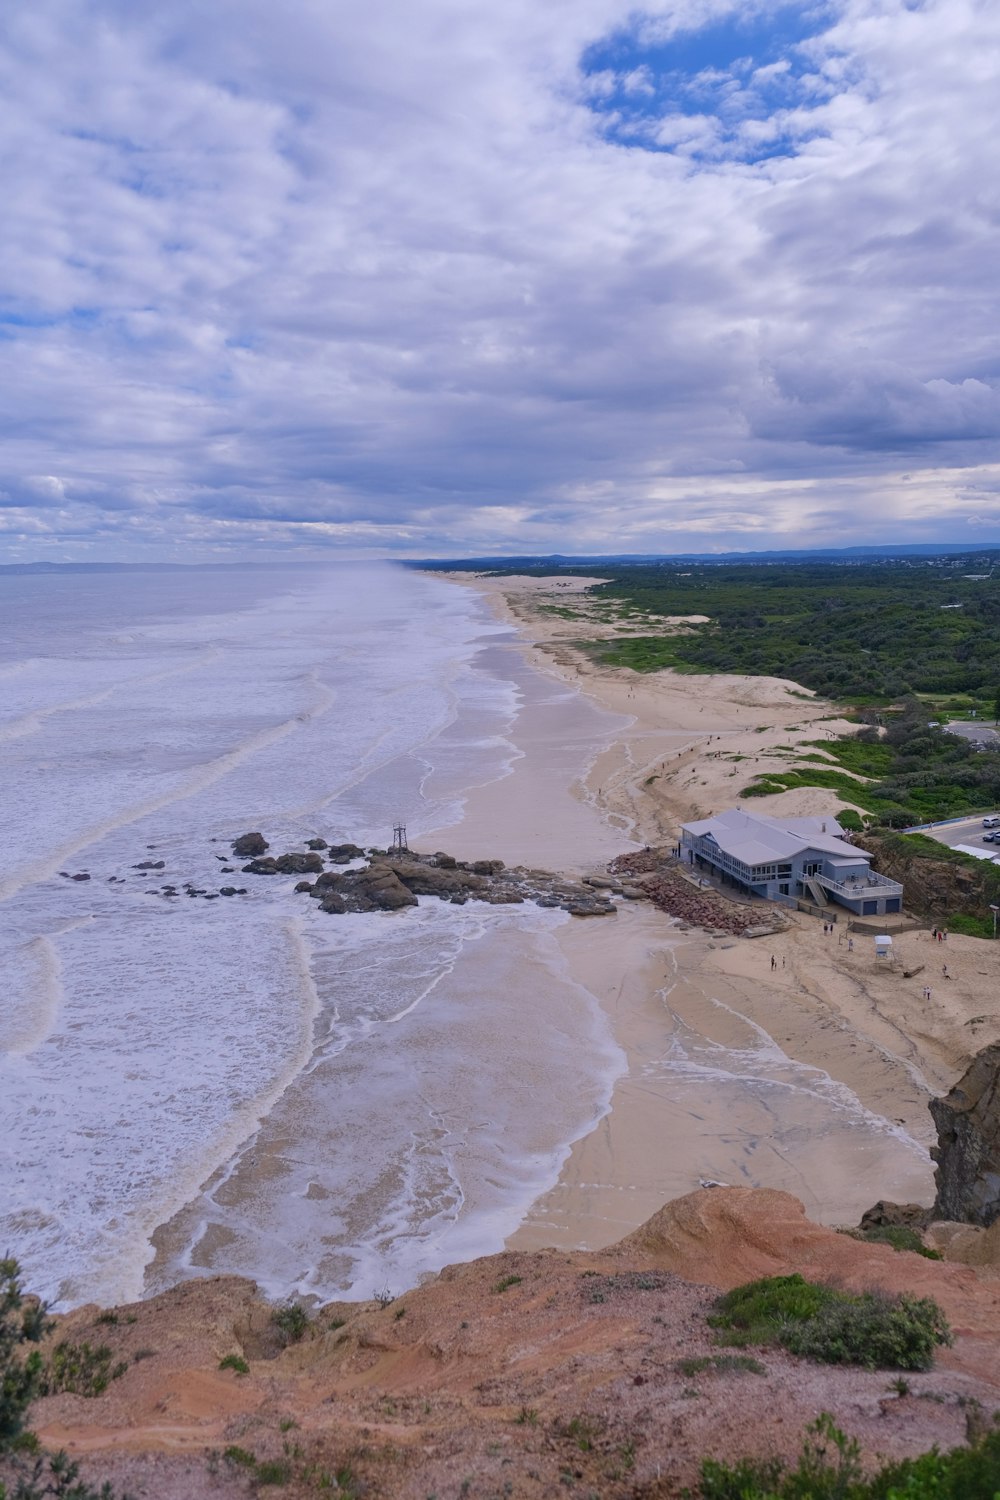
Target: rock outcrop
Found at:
249, 845
968, 1148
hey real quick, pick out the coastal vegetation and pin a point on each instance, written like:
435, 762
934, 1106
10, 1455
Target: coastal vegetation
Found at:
877, 1330
869, 631
911, 771
829, 1468
907, 645
25, 1375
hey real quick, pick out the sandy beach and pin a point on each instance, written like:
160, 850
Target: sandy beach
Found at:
813, 1077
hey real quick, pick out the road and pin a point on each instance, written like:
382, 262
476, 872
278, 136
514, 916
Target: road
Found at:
969, 831
976, 730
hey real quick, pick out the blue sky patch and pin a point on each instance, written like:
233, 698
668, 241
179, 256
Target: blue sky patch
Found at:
723, 90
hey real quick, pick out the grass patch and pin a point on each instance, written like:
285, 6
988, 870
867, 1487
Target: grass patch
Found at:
878, 1330
720, 1364
899, 1236
506, 1282
641, 653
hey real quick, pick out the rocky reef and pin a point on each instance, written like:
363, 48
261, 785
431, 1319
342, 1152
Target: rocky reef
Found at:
391, 879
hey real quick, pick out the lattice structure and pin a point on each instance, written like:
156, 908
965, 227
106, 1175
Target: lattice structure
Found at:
399, 837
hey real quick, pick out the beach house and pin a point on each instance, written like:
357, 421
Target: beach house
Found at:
789, 859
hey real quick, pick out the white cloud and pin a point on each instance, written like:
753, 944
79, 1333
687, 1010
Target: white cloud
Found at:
381, 270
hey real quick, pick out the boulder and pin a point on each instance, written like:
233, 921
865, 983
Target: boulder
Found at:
250, 845
316, 843
968, 1149
884, 1215
299, 864
331, 902
265, 866
487, 866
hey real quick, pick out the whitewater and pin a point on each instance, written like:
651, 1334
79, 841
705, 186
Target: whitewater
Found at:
202, 1084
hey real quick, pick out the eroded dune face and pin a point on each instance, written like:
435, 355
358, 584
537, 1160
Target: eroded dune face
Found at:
519, 1370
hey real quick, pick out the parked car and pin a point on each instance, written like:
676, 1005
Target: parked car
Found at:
989, 838
991, 822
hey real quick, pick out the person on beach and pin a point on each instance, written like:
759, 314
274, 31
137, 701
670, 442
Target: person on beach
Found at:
774, 963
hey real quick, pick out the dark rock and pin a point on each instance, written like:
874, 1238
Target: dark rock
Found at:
316, 843
487, 866
329, 881
304, 885
445, 861
333, 903
885, 1215
968, 1148
299, 864
250, 845
210, 895
342, 854
227, 890
150, 864
82, 876
228, 869
266, 866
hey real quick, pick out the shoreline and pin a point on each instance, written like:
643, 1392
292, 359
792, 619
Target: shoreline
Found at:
841, 1059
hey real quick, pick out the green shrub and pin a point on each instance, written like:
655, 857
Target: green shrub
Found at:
20, 1378
879, 1330
80, 1370
291, 1319
235, 1362
35, 1475
829, 1469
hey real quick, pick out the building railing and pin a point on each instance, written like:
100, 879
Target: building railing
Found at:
861, 886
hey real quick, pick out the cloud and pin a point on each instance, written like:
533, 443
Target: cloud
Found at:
428, 275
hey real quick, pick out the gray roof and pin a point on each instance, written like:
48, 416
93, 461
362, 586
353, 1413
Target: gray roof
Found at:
757, 840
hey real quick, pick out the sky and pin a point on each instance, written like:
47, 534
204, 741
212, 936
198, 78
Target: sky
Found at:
447, 277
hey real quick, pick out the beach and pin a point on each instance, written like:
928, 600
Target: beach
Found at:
331, 1104
813, 1077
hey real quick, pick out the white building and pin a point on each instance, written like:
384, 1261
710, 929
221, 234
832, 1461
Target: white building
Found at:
784, 859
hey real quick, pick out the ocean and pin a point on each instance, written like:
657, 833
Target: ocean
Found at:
198, 1084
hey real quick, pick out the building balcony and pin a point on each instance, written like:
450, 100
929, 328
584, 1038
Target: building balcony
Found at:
860, 887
